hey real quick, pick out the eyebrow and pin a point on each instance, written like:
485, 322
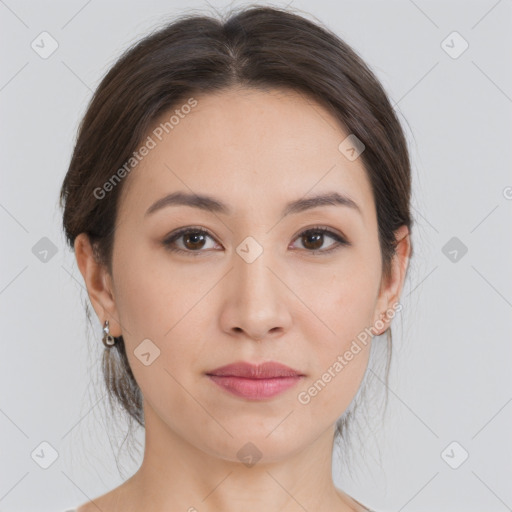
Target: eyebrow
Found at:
209, 203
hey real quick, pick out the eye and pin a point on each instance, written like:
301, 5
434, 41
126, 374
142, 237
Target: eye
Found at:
194, 239
313, 239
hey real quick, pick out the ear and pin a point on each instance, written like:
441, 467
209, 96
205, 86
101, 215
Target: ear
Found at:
391, 289
98, 282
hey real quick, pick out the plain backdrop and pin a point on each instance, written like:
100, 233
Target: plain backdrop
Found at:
445, 444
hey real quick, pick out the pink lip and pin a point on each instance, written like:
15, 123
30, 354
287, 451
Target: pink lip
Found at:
255, 381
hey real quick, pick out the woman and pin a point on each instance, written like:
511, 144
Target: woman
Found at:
238, 201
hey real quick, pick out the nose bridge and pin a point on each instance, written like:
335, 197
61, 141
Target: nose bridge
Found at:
256, 303
251, 273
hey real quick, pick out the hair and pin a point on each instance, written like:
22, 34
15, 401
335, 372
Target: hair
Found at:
258, 47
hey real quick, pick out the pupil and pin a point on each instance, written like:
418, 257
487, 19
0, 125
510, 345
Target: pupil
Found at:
316, 238
194, 237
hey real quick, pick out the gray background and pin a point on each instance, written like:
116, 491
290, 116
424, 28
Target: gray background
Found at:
450, 379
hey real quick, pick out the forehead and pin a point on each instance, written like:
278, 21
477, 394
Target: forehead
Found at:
238, 144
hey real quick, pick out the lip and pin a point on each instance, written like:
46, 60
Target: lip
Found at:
255, 382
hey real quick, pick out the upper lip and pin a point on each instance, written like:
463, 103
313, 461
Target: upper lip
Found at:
266, 370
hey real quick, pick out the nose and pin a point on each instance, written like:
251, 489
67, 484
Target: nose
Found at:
256, 301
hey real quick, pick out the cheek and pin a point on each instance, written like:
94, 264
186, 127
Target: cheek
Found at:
340, 336
329, 392
339, 360
161, 303
152, 295
342, 297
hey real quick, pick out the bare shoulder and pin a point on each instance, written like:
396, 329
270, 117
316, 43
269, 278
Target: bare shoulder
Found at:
355, 505
105, 502
115, 500
118, 500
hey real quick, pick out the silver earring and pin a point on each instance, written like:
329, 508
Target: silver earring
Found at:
108, 340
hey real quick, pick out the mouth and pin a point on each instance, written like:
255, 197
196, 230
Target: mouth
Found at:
255, 382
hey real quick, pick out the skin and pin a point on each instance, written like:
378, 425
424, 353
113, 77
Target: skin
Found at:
254, 150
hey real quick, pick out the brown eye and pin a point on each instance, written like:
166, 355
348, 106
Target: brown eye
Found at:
193, 241
313, 239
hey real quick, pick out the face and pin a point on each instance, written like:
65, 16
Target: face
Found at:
252, 282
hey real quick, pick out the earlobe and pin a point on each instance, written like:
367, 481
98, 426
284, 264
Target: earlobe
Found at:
98, 283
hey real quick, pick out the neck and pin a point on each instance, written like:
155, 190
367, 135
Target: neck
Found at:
177, 475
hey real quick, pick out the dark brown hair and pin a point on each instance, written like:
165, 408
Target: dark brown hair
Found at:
258, 47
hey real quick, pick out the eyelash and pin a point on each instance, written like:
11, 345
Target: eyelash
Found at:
340, 241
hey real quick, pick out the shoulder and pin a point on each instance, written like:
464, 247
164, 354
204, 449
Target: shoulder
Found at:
363, 507
119, 498
356, 505
115, 499
101, 503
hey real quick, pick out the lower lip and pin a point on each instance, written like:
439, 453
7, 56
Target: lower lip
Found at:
255, 389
